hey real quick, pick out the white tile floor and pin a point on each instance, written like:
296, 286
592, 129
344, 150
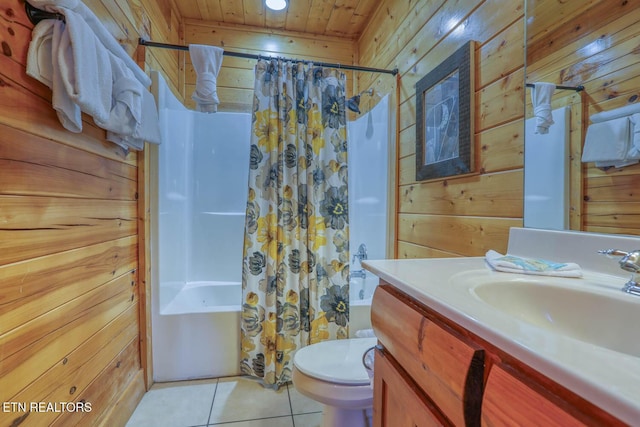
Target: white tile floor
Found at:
232, 401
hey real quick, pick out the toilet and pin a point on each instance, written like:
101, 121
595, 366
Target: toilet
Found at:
332, 373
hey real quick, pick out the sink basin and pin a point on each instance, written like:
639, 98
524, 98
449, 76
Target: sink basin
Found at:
608, 318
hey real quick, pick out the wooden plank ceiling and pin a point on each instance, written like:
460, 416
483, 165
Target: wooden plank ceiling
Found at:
341, 18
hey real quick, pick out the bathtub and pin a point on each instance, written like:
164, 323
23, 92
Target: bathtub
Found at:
201, 328
205, 297
197, 231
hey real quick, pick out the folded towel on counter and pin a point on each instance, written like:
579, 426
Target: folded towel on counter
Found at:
513, 264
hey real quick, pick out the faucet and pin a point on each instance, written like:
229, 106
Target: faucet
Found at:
360, 256
630, 261
362, 273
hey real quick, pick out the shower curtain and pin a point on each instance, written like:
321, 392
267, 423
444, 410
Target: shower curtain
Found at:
296, 247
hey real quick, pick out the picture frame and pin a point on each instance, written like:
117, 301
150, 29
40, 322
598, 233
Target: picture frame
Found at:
444, 118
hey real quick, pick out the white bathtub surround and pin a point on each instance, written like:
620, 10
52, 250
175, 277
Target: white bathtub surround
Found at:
368, 145
546, 202
195, 278
195, 330
601, 364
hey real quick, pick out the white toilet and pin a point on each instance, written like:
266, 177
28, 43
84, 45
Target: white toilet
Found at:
332, 373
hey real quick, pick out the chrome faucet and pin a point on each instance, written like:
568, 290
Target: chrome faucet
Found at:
361, 254
362, 273
630, 261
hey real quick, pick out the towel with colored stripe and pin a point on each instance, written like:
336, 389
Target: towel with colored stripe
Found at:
514, 264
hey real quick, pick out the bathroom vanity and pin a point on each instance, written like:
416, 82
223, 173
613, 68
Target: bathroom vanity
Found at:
460, 344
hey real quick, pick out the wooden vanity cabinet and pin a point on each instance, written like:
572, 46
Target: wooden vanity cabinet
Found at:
397, 401
509, 401
445, 368
430, 371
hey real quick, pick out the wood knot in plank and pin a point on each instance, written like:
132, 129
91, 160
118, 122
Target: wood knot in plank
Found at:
6, 49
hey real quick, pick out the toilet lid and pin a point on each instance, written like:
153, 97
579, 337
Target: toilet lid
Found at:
338, 361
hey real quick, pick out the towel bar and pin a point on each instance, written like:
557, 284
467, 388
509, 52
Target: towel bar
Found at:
36, 15
576, 88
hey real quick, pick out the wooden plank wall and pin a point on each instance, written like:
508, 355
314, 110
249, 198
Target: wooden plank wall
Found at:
71, 273
594, 44
236, 77
462, 216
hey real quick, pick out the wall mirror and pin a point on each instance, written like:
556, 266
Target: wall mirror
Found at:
590, 44
552, 170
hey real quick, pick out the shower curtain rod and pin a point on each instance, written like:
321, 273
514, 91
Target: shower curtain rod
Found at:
144, 42
36, 15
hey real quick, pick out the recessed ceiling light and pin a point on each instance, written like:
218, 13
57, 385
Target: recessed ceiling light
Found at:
276, 4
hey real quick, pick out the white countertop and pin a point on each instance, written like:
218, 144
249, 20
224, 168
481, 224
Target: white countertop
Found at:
609, 379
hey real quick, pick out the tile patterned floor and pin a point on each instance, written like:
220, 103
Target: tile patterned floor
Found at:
232, 402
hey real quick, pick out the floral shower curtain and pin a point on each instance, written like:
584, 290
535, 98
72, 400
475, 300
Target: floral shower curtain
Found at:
296, 249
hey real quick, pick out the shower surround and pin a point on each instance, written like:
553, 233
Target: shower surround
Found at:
200, 179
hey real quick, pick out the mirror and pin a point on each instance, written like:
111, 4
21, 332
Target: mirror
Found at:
590, 44
552, 118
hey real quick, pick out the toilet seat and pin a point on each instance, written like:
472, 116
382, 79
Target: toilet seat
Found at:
338, 361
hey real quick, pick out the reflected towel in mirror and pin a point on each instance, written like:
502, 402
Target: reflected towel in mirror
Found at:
608, 143
541, 98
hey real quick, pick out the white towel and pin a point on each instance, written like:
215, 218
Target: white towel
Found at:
634, 141
206, 61
513, 264
126, 102
541, 98
43, 66
85, 68
607, 143
147, 130
109, 42
89, 71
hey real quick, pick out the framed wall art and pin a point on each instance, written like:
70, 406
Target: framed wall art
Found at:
444, 118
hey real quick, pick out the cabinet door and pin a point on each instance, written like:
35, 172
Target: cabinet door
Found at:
510, 402
447, 367
397, 402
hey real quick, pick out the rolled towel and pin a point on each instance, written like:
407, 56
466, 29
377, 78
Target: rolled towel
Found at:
541, 99
513, 264
206, 61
